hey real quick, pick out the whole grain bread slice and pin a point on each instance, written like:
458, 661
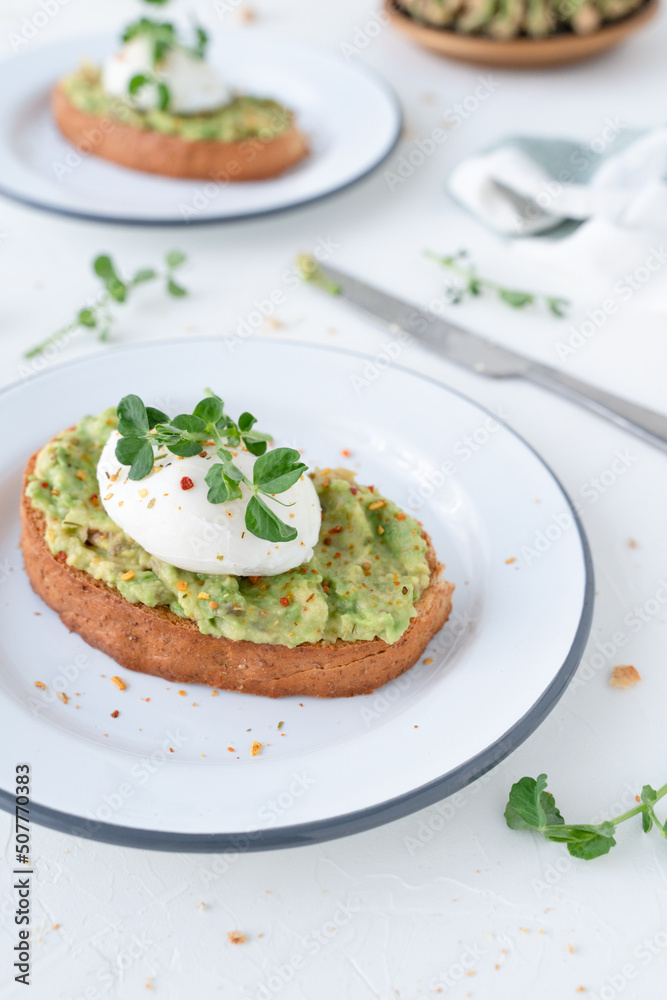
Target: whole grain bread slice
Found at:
155, 152
156, 641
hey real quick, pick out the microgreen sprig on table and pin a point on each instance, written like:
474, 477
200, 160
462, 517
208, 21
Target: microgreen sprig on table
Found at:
311, 271
469, 282
141, 427
532, 807
100, 316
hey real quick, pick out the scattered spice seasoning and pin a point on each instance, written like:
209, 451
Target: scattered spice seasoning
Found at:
376, 505
119, 682
41, 685
186, 483
63, 697
61, 556
182, 586
151, 503
236, 937
285, 601
203, 596
80, 474
128, 576
213, 605
115, 714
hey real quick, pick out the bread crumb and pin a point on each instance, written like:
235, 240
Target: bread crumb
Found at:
201, 906
256, 748
182, 586
428, 661
41, 685
632, 544
63, 697
624, 677
119, 682
114, 714
236, 937
508, 562
203, 596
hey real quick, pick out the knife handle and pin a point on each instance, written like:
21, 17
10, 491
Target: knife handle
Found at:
639, 420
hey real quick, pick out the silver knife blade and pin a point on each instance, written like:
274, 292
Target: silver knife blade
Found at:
488, 358
459, 345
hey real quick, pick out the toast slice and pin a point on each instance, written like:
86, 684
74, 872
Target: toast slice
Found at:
172, 156
156, 641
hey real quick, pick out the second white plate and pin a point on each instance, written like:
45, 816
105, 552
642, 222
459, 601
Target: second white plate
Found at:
351, 116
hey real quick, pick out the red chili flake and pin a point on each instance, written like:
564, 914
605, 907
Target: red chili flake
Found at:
337, 530
45, 486
61, 556
285, 601
114, 715
353, 490
186, 483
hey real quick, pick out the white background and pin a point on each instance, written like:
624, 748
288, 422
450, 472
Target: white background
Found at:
414, 901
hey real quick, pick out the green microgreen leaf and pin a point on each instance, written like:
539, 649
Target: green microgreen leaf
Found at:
210, 409
175, 258
246, 422
87, 318
138, 454
264, 523
137, 83
174, 289
276, 471
221, 487
516, 299
145, 274
255, 447
132, 417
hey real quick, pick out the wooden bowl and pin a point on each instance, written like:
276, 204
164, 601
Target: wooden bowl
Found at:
520, 53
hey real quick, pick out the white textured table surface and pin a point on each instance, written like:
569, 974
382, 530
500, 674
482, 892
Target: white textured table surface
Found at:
447, 901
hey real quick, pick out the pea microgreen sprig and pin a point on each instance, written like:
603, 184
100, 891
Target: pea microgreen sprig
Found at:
163, 38
142, 427
311, 271
532, 807
100, 315
469, 282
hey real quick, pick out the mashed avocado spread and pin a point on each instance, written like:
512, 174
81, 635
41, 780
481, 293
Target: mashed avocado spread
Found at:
368, 570
243, 118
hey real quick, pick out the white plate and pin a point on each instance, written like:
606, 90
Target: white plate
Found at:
516, 634
350, 115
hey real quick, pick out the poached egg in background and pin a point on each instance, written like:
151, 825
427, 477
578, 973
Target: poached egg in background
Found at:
180, 527
194, 86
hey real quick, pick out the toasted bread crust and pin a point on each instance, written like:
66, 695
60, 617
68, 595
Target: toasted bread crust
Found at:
156, 153
156, 641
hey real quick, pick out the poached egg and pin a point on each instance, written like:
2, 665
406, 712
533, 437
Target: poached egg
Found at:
168, 514
194, 86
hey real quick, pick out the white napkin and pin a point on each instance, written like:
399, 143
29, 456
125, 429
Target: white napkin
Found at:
617, 199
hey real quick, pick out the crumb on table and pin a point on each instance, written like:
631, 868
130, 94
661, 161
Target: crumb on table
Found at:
624, 677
